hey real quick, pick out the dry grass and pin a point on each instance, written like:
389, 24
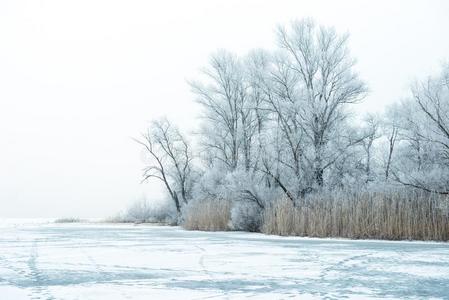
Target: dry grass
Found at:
395, 215
210, 215
68, 220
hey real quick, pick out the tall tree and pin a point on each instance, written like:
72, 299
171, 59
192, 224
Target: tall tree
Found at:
319, 82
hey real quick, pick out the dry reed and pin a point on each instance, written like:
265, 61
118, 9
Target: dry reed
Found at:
394, 215
210, 215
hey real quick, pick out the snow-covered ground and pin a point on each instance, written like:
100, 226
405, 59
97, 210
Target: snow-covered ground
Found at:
100, 261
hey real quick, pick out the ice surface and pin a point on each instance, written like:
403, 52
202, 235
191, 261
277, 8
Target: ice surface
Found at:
41, 260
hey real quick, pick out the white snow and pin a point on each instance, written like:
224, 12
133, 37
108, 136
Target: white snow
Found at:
42, 260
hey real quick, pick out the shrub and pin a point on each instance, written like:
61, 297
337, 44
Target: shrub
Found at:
144, 211
246, 216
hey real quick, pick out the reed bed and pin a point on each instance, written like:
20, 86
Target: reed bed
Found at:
207, 215
392, 215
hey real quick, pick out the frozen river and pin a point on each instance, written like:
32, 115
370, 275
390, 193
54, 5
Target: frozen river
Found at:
99, 261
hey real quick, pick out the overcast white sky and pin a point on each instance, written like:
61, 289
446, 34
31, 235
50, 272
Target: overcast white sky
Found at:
79, 78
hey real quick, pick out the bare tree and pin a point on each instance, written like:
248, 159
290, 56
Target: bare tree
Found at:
169, 160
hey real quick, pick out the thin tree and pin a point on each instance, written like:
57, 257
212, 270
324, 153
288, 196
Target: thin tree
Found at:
169, 160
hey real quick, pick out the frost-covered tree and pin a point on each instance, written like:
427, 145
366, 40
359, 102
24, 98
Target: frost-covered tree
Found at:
371, 132
168, 159
390, 128
257, 64
312, 84
230, 122
424, 130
